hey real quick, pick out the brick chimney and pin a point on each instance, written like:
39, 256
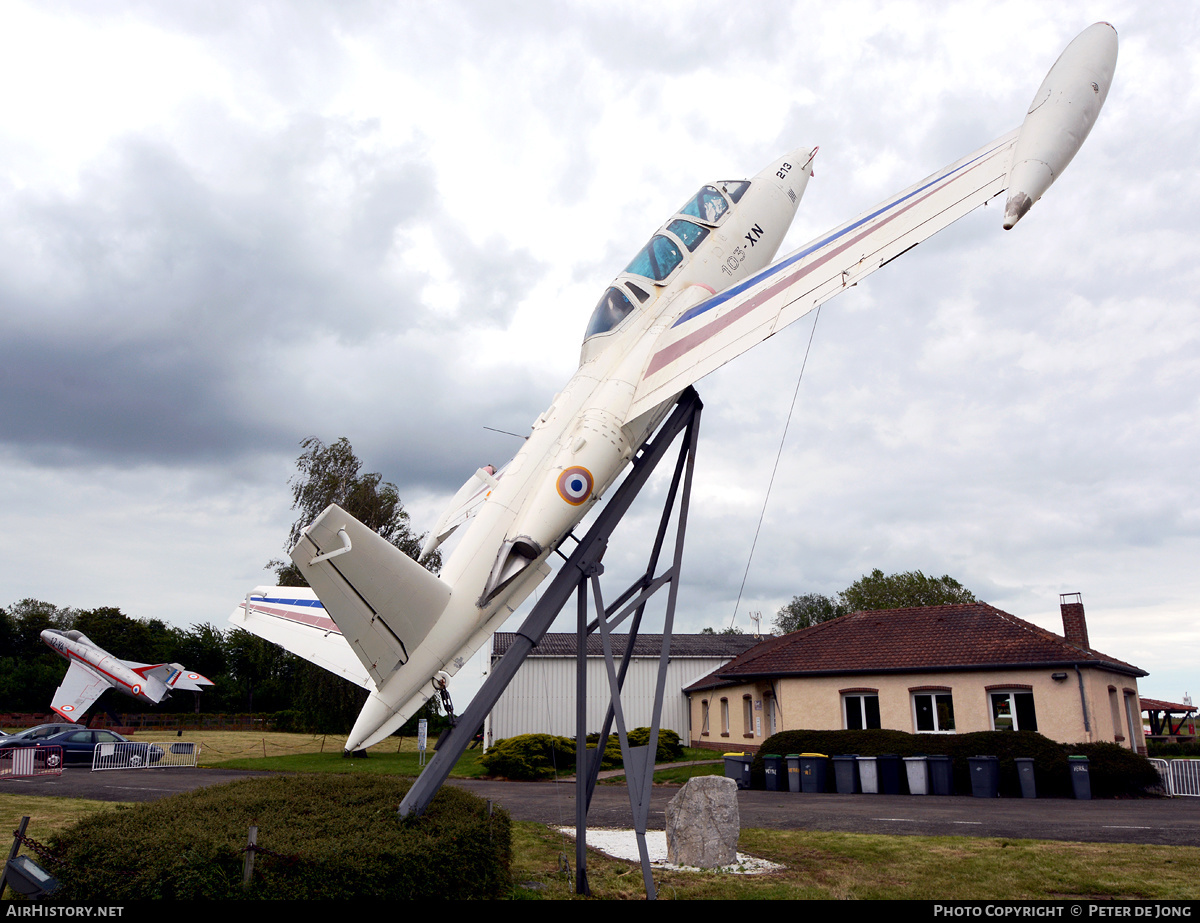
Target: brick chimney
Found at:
1074, 624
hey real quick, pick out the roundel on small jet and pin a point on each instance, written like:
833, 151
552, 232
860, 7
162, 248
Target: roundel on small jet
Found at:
575, 485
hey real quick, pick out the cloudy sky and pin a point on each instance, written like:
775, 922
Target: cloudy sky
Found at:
225, 227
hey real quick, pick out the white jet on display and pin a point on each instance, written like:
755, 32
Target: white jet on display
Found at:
701, 292
93, 670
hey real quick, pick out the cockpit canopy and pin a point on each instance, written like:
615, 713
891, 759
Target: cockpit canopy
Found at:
666, 251
614, 307
708, 205
657, 259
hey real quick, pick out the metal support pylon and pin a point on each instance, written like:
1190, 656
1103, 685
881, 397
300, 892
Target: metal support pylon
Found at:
581, 572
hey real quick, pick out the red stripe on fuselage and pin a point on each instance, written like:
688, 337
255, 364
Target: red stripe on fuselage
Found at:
324, 622
96, 669
682, 346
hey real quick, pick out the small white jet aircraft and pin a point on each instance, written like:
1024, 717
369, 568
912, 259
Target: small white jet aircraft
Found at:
702, 291
94, 669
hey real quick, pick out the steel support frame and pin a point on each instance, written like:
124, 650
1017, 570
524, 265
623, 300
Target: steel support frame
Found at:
580, 573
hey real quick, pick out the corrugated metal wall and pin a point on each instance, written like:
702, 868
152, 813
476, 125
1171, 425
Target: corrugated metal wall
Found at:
541, 697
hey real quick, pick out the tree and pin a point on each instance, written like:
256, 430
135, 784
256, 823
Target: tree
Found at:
901, 591
333, 474
869, 592
731, 630
141, 640
806, 611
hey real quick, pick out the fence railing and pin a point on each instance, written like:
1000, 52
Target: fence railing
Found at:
22, 762
139, 755
1179, 777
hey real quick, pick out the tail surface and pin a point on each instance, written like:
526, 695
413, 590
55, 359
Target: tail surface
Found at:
383, 602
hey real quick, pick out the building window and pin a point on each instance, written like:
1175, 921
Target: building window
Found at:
724, 717
704, 717
1133, 717
860, 711
1012, 710
1115, 708
933, 712
747, 716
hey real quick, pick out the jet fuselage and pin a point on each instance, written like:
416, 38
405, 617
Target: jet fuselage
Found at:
581, 443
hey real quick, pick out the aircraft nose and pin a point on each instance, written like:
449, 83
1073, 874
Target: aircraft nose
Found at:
790, 173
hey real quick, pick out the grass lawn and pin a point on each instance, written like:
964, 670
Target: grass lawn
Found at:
853, 866
838, 866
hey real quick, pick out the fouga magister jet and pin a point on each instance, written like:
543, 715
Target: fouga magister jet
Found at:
93, 670
702, 291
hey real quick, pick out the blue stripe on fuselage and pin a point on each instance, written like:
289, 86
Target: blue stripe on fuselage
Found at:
734, 290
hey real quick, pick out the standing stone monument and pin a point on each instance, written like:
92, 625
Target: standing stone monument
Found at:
703, 823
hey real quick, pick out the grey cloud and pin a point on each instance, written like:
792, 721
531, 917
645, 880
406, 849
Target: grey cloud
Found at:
143, 307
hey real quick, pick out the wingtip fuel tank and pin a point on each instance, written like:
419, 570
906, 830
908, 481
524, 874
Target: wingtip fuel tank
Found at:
1063, 111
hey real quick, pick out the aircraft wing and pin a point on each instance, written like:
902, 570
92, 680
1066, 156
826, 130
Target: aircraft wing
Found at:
79, 689
707, 335
294, 618
462, 507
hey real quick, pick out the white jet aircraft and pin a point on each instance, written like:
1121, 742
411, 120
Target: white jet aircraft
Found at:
93, 670
702, 291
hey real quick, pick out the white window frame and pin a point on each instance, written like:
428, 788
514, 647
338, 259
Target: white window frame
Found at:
861, 706
934, 695
1012, 707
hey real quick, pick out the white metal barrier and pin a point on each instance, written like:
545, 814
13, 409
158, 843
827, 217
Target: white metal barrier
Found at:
1164, 773
139, 755
1185, 778
178, 753
22, 762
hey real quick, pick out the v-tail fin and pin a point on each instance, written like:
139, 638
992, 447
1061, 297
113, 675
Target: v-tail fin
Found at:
384, 602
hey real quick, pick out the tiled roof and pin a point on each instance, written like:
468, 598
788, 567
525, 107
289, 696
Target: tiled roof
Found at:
965, 636
562, 644
1159, 705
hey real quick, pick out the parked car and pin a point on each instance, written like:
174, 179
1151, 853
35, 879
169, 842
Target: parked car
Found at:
78, 745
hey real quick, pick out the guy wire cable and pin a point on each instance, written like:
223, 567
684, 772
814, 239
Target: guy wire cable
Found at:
778, 455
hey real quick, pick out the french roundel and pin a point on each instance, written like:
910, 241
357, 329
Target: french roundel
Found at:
575, 485
137, 689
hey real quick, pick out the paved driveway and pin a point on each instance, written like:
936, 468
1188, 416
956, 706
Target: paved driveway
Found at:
1167, 821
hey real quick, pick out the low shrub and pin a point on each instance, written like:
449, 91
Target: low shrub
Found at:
530, 756
330, 837
544, 756
669, 748
1178, 749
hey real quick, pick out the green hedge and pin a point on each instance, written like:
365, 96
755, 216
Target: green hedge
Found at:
530, 756
1189, 749
544, 756
1114, 771
337, 837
